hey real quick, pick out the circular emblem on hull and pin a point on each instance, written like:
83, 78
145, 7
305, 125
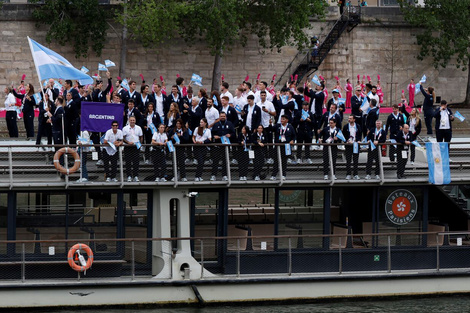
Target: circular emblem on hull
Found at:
401, 207
289, 195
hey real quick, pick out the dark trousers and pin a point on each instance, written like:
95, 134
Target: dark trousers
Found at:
95, 137
401, 161
428, 121
259, 160
243, 161
373, 156
83, 159
148, 141
283, 161
180, 158
355, 160
58, 140
391, 149
412, 152
443, 135
316, 126
28, 119
159, 162
71, 132
218, 154
110, 171
326, 159
11, 117
271, 150
131, 156
303, 138
44, 129
200, 152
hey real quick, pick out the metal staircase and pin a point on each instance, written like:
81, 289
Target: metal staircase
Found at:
459, 194
310, 63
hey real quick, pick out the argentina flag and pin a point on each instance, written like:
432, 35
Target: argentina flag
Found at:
438, 162
52, 65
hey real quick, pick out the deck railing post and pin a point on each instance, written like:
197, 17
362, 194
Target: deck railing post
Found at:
330, 160
389, 255
10, 166
23, 262
279, 163
133, 259
121, 165
340, 270
175, 164
290, 257
381, 165
202, 258
227, 164
238, 257
437, 253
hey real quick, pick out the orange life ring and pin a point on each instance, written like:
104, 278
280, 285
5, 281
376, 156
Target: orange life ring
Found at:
73, 250
62, 169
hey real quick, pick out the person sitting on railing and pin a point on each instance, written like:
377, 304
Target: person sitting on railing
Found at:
201, 135
405, 138
353, 134
179, 135
328, 135
304, 122
112, 140
159, 140
283, 133
376, 136
222, 128
415, 128
259, 140
244, 139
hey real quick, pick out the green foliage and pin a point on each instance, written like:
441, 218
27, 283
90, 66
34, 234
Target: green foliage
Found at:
445, 24
81, 23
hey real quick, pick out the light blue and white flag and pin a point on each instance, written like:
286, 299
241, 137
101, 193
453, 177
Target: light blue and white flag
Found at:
459, 116
109, 63
196, 79
416, 143
84, 70
57, 85
125, 84
284, 99
85, 141
216, 103
288, 149
393, 141
37, 97
305, 115
417, 89
138, 145
102, 67
341, 100
423, 79
52, 65
176, 139
438, 162
153, 129
171, 148
372, 146
355, 148
316, 81
365, 106
340, 136
102, 139
225, 140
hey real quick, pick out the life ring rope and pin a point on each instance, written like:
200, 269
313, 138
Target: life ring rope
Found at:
62, 169
71, 254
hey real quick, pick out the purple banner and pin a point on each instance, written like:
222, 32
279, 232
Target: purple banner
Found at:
97, 116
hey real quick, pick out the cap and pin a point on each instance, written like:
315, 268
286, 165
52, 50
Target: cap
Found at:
358, 88
335, 90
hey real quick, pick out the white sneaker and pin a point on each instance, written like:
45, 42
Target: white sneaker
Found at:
108, 180
241, 178
200, 179
173, 179
224, 178
377, 177
412, 163
213, 178
348, 177
270, 161
289, 161
234, 162
147, 162
100, 162
284, 177
316, 147
114, 180
273, 178
136, 179
195, 162
251, 162
325, 177
367, 177
129, 179
196, 179
157, 179
299, 161
356, 177
184, 179
309, 161
257, 178
334, 177
163, 179
84, 180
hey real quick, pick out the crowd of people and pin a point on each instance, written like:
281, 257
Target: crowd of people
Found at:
253, 118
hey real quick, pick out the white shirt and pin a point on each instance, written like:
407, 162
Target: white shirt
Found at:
352, 131
249, 115
205, 135
212, 114
266, 117
412, 124
445, 124
238, 104
110, 136
227, 94
10, 99
269, 96
159, 104
160, 138
132, 134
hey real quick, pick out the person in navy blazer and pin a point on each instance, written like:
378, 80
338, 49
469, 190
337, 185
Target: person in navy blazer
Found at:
377, 136
284, 133
259, 140
195, 114
151, 117
182, 134
395, 122
304, 123
232, 115
404, 137
255, 115
220, 129
327, 116
98, 95
372, 115
329, 135
352, 132
444, 119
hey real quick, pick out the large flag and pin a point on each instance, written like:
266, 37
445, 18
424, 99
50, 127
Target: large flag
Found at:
438, 162
52, 65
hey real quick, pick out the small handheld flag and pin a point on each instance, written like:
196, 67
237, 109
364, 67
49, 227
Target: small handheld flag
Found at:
225, 140
216, 103
84, 70
125, 84
459, 116
341, 136
393, 141
355, 148
171, 148
417, 89
196, 79
109, 63
372, 146
101, 67
37, 97
288, 149
316, 81
423, 79
153, 129
138, 145
416, 143
176, 139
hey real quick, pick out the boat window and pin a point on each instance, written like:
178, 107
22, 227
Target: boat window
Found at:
3, 222
206, 224
136, 221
